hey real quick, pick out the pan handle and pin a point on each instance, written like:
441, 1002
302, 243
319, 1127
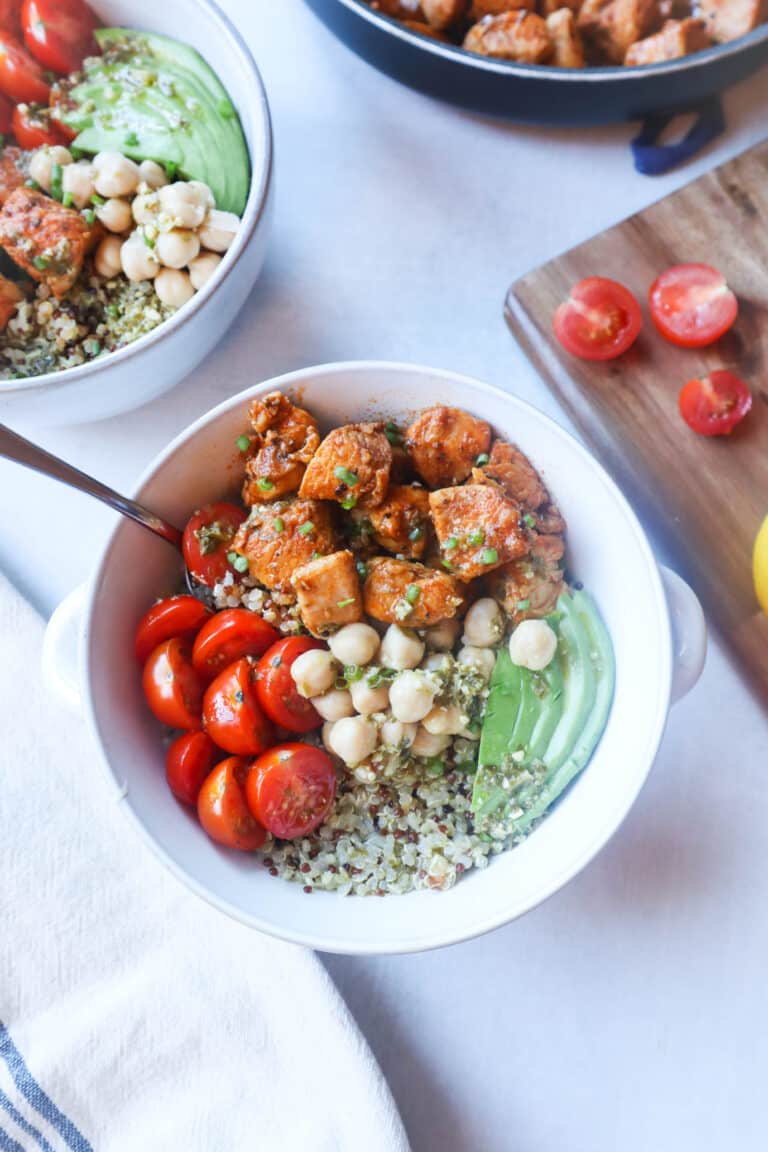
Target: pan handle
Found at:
652, 159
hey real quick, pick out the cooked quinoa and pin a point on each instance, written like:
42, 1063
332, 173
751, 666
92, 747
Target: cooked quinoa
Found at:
96, 317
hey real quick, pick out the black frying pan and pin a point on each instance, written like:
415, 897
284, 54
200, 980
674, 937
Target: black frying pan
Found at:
539, 94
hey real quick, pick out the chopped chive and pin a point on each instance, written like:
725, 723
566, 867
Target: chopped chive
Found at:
346, 602
40, 262
362, 569
243, 443
489, 556
68, 200
238, 562
353, 672
392, 433
412, 593
451, 543
347, 477
476, 537
435, 766
89, 216
76, 153
264, 483
529, 520
171, 168
483, 458
94, 347
317, 555
522, 605
132, 140
148, 240
112, 310
97, 200
416, 533
349, 503
57, 175
32, 184
278, 524
447, 565
225, 109
306, 528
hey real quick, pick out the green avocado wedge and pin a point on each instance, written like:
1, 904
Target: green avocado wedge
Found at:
530, 752
151, 97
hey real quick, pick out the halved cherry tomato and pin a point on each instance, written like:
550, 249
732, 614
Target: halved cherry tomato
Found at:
692, 305
21, 77
189, 760
33, 127
600, 320
176, 616
290, 789
59, 33
9, 17
276, 690
6, 115
715, 404
207, 540
232, 714
229, 635
222, 809
173, 689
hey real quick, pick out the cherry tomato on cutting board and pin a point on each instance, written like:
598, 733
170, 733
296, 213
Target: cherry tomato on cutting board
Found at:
173, 689
600, 320
222, 809
33, 127
176, 616
276, 690
715, 404
21, 77
59, 33
692, 305
207, 540
232, 714
189, 761
227, 637
290, 789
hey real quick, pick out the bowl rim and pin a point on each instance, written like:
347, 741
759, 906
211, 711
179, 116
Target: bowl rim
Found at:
617, 73
395, 945
255, 207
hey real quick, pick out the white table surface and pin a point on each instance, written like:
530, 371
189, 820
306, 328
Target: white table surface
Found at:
629, 1012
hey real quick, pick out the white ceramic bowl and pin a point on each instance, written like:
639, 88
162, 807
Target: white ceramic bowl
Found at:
607, 550
154, 363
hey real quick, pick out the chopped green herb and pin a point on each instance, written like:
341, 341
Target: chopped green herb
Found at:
349, 503
238, 562
416, 533
76, 153
278, 524
306, 528
97, 200
40, 262
380, 676
225, 109
483, 458
489, 556
131, 140
412, 593
529, 520
171, 168
346, 602
265, 484
435, 766
94, 347
392, 433
57, 175
32, 184
347, 477
68, 200
362, 569
89, 216
317, 555
447, 565
148, 240
451, 543
243, 443
522, 605
353, 672
476, 537
112, 310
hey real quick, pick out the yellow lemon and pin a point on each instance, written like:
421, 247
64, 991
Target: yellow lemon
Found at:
760, 565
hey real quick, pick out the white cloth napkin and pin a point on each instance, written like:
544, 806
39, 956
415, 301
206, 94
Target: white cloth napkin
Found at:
133, 1017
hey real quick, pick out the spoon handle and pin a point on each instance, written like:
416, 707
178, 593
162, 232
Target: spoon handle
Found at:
21, 451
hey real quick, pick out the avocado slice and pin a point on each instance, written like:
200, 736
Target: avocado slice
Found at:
151, 97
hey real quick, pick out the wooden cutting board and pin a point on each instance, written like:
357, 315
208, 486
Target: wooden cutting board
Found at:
705, 496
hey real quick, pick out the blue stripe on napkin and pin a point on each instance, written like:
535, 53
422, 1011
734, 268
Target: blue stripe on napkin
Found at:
31, 1090
20, 1122
8, 1144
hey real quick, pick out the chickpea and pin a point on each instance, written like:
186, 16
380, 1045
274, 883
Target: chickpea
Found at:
177, 248
204, 193
483, 624
219, 229
152, 174
411, 696
173, 287
443, 636
115, 175
107, 261
353, 739
326, 734
533, 645
395, 734
139, 262
200, 271
77, 183
334, 705
400, 648
183, 205
480, 660
354, 643
445, 720
440, 662
43, 161
115, 215
146, 208
368, 699
429, 743
314, 673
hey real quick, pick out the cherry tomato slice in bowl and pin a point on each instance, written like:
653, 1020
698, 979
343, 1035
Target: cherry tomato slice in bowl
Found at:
176, 616
276, 690
232, 714
222, 810
188, 762
290, 789
692, 305
34, 128
207, 540
173, 689
21, 77
715, 404
59, 33
600, 320
227, 637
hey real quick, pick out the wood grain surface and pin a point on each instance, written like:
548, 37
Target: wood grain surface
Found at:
706, 496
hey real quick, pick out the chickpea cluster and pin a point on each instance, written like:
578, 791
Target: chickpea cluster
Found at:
170, 233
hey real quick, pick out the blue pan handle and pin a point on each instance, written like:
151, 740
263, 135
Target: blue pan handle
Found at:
652, 159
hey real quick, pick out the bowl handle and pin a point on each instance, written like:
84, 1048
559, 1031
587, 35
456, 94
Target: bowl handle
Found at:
689, 633
60, 657
652, 159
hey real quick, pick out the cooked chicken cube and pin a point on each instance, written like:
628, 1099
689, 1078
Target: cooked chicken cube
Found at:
278, 538
10, 295
12, 174
531, 586
729, 19
520, 36
510, 468
567, 48
328, 592
482, 8
548, 521
44, 238
284, 441
609, 27
478, 528
403, 592
441, 14
677, 38
402, 523
444, 444
351, 466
